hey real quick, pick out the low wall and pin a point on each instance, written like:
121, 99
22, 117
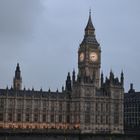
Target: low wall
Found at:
64, 136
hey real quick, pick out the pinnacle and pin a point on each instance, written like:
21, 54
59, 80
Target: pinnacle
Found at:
89, 24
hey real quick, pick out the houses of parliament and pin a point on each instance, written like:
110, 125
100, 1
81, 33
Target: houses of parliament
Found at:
89, 103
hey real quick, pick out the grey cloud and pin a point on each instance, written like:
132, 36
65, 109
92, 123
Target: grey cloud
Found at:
43, 36
17, 19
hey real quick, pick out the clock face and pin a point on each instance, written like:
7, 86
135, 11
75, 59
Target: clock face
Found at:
93, 56
81, 57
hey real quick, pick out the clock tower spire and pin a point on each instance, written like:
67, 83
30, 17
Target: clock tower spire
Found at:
89, 56
17, 81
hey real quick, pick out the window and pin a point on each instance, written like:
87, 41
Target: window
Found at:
78, 106
19, 104
60, 106
107, 107
101, 107
96, 119
96, 106
28, 103
11, 103
52, 118
52, 106
68, 106
27, 117
10, 117
36, 110
44, 118
87, 107
60, 118
116, 113
18, 117
87, 118
35, 117
68, 119
75, 118
1, 103
107, 121
44, 103
116, 119
44, 110
1, 117
101, 119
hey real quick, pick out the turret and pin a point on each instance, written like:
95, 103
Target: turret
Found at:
102, 79
131, 90
62, 88
68, 83
111, 76
17, 81
122, 78
73, 76
49, 90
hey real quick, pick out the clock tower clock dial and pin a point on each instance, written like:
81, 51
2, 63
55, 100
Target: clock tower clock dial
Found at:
89, 54
93, 56
81, 57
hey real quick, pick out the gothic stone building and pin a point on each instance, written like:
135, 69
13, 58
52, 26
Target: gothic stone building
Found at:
132, 111
88, 103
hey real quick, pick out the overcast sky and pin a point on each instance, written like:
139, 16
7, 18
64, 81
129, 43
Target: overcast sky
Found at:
44, 36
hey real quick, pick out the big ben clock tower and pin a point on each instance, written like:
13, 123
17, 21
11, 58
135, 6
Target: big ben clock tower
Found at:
89, 56
100, 101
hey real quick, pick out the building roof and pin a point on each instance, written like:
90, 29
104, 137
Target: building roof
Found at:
32, 93
90, 37
134, 95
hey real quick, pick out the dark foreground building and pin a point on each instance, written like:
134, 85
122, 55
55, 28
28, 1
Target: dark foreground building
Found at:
89, 104
132, 111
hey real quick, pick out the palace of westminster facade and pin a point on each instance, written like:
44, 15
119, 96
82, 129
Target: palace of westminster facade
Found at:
88, 103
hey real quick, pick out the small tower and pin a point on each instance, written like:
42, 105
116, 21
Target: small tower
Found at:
73, 76
68, 83
111, 76
17, 81
122, 78
102, 79
131, 90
